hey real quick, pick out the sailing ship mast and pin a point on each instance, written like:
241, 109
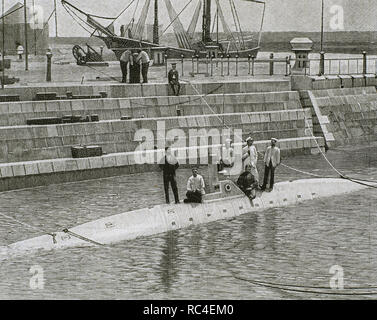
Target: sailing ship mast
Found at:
206, 33
156, 39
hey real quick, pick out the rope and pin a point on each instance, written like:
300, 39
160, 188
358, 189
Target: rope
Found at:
82, 238
177, 16
43, 30
117, 17
104, 73
306, 172
71, 13
300, 289
53, 235
183, 102
341, 175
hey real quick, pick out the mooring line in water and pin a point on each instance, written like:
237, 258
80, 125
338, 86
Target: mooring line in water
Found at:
82, 237
341, 175
29, 226
309, 289
53, 235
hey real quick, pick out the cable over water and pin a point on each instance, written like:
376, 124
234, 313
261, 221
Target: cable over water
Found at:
340, 174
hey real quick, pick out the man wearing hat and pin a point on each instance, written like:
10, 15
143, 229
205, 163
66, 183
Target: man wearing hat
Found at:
173, 78
227, 155
250, 156
271, 161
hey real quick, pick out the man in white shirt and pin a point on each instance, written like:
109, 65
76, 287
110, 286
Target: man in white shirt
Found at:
271, 161
20, 51
250, 157
227, 155
125, 58
195, 188
143, 60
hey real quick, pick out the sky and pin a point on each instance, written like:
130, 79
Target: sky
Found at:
281, 15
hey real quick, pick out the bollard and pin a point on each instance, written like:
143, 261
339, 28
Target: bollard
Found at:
228, 56
248, 61
222, 65
236, 65
271, 64
207, 68
287, 65
166, 65
182, 60
49, 56
252, 64
210, 60
322, 64
364, 62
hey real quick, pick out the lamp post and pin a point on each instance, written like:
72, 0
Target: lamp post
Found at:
3, 49
26, 40
56, 20
322, 53
322, 18
48, 72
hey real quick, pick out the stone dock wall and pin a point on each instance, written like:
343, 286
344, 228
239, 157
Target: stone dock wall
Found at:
297, 112
344, 109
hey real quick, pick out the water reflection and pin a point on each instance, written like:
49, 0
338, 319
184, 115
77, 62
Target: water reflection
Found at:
295, 245
168, 268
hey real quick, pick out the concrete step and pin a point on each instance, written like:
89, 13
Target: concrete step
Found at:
28, 93
24, 174
54, 141
109, 109
345, 92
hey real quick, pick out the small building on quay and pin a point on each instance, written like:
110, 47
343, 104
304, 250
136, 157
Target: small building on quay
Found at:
14, 29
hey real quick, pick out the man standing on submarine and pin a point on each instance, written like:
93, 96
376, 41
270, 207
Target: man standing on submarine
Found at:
169, 165
271, 161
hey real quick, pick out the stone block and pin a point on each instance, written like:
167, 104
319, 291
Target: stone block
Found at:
96, 162
121, 159
31, 168
6, 171
52, 131
58, 165
26, 107
52, 106
77, 105
18, 170
65, 106
45, 167
39, 106
15, 107
275, 116
4, 108
70, 165
109, 161
83, 163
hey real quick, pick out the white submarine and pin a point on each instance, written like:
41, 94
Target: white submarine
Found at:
226, 201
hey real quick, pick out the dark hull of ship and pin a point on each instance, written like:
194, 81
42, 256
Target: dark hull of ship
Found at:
119, 44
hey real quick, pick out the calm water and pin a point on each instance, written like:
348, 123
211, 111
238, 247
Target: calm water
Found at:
295, 245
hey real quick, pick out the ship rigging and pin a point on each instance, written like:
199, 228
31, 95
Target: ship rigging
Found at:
131, 35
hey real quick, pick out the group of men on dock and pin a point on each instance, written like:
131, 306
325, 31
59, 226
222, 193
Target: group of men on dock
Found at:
248, 181
134, 60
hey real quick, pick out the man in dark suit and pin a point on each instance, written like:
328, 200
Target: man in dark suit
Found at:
169, 165
173, 78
